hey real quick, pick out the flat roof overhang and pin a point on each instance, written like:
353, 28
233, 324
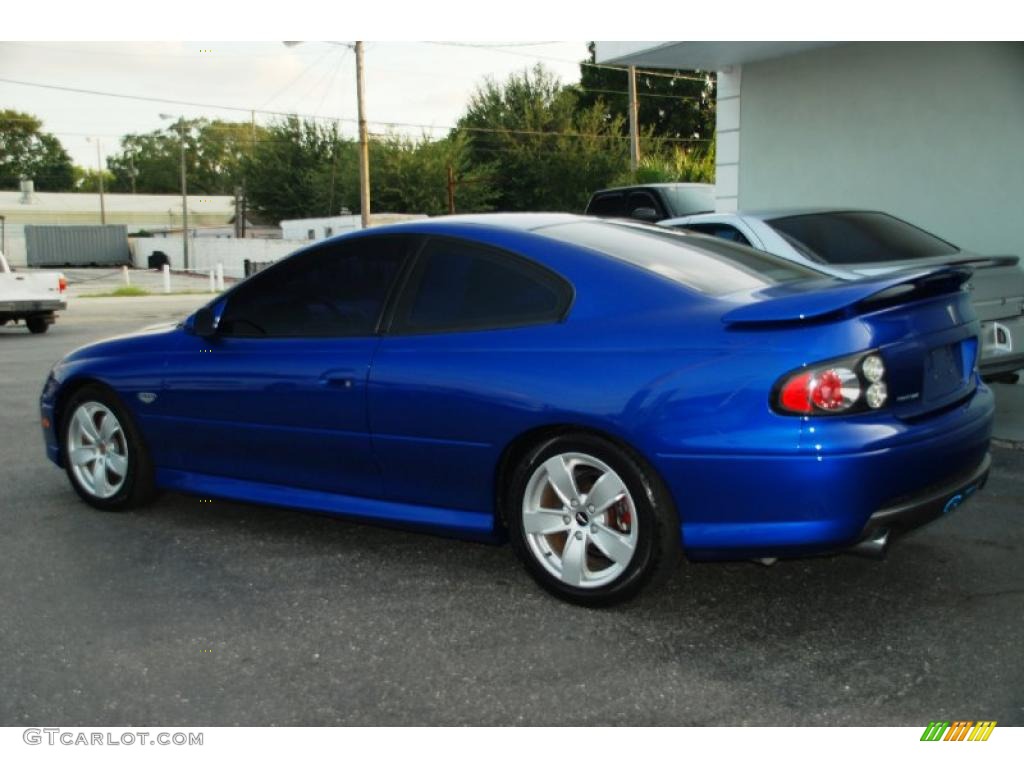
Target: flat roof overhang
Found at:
705, 55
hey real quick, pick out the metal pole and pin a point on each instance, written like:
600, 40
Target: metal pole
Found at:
364, 147
451, 190
99, 174
634, 127
184, 199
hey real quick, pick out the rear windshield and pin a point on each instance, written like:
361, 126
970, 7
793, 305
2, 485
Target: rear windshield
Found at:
704, 264
685, 201
859, 237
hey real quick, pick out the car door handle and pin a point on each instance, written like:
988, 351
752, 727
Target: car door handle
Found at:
338, 379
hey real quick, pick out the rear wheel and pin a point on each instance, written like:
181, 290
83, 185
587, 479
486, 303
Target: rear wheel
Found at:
37, 324
104, 456
591, 522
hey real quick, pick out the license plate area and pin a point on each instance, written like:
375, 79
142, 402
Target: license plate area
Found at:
943, 372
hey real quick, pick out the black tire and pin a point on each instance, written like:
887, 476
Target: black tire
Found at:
658, 543
37, 324
139, 486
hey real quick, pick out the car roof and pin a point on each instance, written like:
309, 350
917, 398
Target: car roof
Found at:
658, 185
519, 221
775, 213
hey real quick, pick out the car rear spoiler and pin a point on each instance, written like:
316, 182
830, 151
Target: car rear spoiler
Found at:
986, 262
796, 303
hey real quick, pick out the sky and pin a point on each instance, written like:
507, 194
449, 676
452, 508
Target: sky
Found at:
424, 86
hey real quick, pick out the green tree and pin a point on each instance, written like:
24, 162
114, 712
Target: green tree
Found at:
674, 104
410, 176
300, 169
548, 151
26, 151
214, 155
88, 180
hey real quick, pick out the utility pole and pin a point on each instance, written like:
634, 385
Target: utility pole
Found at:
132, 173
364, 142
364, 146
184, 190
634, 126
238, 212
99, 179
451, 189
184, 199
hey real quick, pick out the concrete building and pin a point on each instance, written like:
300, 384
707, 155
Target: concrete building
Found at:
137, 212
930, 132
328, 226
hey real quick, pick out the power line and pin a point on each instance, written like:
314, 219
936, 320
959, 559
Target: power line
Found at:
298, 77
327, 118
651, 72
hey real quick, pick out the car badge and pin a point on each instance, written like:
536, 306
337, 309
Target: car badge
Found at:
147, 397
952, 312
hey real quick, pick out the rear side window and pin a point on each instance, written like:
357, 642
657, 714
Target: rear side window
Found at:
710, 266
721, 231
613, 204
461, 286
337, 289
859, 237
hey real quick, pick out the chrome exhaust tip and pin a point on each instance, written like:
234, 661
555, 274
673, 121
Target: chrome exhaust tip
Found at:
873, 546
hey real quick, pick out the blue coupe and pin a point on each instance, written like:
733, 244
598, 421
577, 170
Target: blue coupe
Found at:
603, 394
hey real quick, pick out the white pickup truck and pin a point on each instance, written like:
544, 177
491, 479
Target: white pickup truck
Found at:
31, 296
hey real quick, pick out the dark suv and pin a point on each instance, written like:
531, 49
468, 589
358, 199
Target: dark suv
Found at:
652, 202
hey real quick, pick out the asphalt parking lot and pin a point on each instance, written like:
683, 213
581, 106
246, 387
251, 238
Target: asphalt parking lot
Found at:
223, 613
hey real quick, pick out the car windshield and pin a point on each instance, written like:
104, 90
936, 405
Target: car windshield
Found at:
705, 264
859, 237
686, 201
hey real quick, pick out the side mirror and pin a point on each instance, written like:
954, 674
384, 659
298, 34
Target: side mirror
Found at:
204, 322
645, 214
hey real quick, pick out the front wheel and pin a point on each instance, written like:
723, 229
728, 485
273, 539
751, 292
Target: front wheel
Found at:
104, 455
591, 522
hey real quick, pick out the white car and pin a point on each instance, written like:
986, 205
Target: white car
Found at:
860, 243
31, 296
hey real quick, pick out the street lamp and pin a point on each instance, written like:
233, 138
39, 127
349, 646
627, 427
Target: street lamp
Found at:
184, 189
364, 146
99, 176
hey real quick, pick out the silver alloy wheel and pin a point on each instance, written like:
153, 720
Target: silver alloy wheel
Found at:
97, 449
579, 520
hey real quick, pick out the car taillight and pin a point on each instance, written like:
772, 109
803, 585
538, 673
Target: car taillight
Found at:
842, 386
62, 283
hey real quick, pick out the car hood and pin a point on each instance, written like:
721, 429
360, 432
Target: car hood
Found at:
145, 340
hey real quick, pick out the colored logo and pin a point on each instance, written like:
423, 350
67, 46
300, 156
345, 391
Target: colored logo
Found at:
959, 730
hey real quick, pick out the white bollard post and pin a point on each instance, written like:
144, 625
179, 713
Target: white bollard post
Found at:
213, 281
167, 278
125, 275
220, 276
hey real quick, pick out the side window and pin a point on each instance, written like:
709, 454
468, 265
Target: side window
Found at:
338, 289
642, 199
460, 286
607, 205
721, 231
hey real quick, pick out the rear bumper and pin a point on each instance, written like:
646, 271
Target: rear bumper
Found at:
832, 495
25, 308
928, 504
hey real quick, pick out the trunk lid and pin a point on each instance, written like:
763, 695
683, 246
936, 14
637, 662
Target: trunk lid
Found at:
921, 323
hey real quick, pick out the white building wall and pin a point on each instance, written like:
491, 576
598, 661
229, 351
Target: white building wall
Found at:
727, 147
205, 253
930, 132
